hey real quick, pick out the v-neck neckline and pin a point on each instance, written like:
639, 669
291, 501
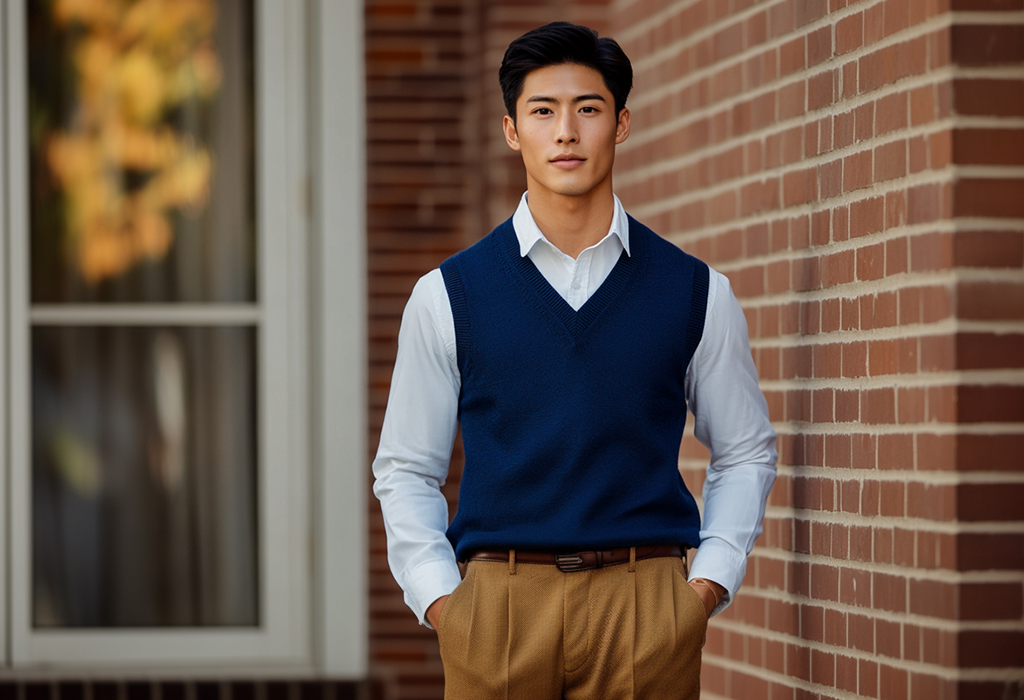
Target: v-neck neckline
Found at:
576, 322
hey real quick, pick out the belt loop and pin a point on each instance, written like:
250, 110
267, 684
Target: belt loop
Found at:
686, 563
511, 562
632, 559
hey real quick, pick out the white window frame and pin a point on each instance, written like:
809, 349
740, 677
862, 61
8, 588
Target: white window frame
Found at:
311, 352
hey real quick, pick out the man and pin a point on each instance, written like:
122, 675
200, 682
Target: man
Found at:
568, 344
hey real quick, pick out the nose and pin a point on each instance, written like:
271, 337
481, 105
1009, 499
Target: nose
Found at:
566, 131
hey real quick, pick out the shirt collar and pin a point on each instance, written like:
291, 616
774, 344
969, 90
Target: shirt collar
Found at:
529, 233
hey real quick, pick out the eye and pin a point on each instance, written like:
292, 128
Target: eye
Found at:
589, 110
542, 110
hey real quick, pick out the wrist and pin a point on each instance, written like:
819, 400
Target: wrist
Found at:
716, 589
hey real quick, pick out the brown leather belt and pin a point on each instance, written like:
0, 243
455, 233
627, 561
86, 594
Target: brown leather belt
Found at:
580, 561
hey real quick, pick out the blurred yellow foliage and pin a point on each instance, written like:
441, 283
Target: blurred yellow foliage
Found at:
121, 167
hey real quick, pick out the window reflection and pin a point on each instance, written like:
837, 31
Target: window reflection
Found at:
141, 150
144, 477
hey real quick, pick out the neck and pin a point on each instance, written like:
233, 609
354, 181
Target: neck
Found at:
572, 223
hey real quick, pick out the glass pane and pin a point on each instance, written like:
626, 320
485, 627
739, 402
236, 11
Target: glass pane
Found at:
144, 476
141, 150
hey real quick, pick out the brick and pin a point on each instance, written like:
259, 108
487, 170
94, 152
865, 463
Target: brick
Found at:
820, 90
791, 100
932, 251
871, 262
855, 585
990, 601
936, 502
940, 149
847, 404
888, 638
922, 105
891, 113
989, 452
936, 303
989, 351
986, 45
878, 406
990, 300
850, 496
857, 171
890, 161
843, 129
988, 146
896, 451
824, 582
983, 5
896, 211
861, 630
866, 216
892, 682
989, 551
882, 357
855, 357
924, 203
993, 249
917, 149
792, 56
991, 648
909, 297
819, 46
990, 502
849, 33
910, 404
874, 27
864, 121
850, 86
936, 452
988, 97
846, 673
830, 179
989, 197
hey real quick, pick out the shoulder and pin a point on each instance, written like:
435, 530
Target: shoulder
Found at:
658, 247
478, 251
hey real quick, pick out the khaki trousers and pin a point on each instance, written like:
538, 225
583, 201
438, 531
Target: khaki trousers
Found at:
532, 632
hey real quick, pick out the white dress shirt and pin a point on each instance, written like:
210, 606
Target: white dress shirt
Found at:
731, 419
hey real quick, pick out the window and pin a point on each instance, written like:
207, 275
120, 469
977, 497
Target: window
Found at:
168, 332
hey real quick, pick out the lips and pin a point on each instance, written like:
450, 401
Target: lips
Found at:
568, 160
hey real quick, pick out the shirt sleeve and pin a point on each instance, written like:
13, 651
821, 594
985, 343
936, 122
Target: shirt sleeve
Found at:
731, 420
416, 445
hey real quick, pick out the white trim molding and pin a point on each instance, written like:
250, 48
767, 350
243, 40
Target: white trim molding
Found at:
338, 274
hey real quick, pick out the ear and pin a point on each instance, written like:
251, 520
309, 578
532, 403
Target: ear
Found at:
622, 129
511, 135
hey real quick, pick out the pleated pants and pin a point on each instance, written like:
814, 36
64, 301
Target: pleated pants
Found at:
532, 632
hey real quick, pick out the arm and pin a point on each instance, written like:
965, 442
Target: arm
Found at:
731, 419
415, 448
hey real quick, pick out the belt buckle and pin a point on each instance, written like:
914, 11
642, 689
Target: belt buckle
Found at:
570, 562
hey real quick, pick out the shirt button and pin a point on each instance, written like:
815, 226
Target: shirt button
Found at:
576, 286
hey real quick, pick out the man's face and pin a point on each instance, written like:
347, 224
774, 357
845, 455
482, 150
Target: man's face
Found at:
566, 128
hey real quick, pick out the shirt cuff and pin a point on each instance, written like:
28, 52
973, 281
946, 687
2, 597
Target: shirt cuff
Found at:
717, 561
428, 582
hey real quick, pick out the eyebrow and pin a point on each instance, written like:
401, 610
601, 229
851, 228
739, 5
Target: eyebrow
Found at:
580, 98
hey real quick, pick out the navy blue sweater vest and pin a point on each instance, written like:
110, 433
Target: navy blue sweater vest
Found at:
572, 420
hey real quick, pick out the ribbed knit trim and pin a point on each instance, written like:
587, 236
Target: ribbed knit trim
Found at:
460, 313
577, 322
698, 306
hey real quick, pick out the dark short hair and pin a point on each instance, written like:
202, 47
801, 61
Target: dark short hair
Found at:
559, 43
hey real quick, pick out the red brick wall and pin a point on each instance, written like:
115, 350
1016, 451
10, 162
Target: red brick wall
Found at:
416, 55
857, 170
